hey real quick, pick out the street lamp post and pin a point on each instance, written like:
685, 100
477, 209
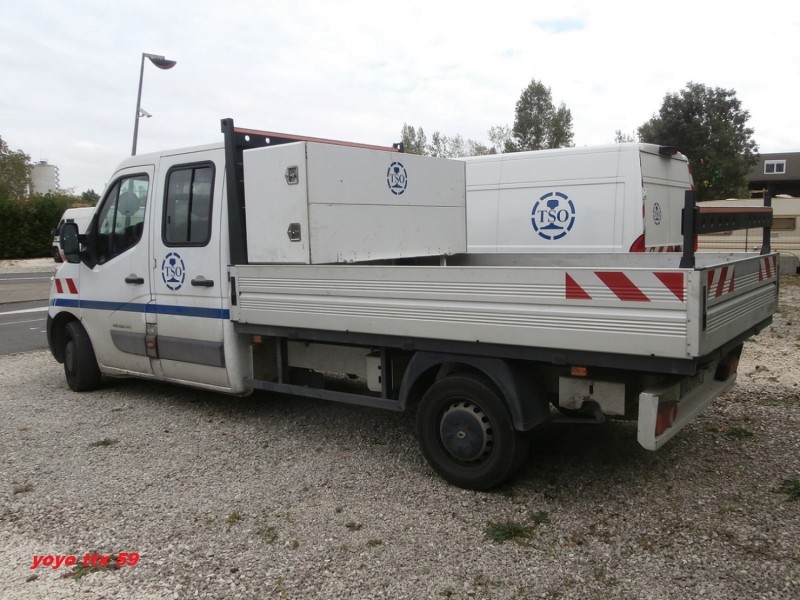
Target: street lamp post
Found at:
161, 63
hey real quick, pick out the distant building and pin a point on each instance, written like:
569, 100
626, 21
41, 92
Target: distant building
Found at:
44, 178
779, 172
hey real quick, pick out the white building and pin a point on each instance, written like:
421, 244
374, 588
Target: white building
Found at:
44, 178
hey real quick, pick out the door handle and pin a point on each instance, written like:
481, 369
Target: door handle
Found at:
134, 279
201, 281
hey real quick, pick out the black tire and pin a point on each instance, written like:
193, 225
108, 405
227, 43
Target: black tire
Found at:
80, 364
466, 433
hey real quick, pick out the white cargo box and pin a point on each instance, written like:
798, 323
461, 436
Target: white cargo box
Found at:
314, 203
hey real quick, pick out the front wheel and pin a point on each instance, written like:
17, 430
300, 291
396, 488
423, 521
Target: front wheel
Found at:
467, 435
80, 364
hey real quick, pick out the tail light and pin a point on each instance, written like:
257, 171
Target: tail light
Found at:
667, 413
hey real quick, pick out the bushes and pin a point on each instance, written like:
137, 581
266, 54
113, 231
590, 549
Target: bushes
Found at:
25, 225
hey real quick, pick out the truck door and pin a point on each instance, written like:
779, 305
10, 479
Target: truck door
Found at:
188, 282
114, 288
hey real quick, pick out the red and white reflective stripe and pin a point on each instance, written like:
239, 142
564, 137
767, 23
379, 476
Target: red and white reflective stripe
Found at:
628, 286
665, 249
70, 285
767, 267
721, 281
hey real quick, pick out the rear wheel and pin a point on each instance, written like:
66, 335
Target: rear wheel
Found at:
80, 364
467, 435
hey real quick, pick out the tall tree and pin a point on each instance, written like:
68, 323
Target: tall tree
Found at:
539, 124
414, 140
499, 136
623, 138
15, 173
709, 126
443, 146
90, 197
455, 146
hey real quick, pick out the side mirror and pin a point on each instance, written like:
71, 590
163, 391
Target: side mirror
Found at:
70, 244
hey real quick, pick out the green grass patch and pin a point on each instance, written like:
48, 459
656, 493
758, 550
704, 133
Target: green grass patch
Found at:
104, 443
740, 433
790, 487
540, 518
505, 531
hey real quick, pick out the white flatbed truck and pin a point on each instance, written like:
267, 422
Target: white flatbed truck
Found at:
281, 263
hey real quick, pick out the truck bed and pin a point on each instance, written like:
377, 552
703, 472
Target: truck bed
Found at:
638, 304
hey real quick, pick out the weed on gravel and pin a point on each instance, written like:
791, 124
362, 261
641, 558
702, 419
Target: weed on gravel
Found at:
790, 487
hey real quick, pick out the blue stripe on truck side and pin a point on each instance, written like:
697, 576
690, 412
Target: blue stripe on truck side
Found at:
158, 309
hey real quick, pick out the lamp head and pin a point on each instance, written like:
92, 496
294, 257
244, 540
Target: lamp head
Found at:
161, 62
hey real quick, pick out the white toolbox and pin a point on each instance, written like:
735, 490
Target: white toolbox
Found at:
315, 203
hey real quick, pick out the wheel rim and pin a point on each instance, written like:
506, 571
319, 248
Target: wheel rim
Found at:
466, 432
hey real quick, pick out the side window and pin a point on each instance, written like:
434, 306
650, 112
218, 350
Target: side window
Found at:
187, 209
121, 219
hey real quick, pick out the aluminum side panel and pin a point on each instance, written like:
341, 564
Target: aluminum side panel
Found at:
503, 305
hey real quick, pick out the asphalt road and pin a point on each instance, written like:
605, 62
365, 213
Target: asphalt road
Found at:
23, 311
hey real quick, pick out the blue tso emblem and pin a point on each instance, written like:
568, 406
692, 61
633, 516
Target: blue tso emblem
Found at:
173, 271
553, 215
397, 178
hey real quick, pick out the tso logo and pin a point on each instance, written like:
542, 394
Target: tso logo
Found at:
657, 213
173, 271
553, 215
397, 178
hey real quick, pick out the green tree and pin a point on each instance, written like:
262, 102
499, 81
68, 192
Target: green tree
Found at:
499, 136
90, 197
709, 126
539, 124
623, 138
15, 173
414, 140
443, 146
455, 147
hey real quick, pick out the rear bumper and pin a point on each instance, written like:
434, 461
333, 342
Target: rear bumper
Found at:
663, 412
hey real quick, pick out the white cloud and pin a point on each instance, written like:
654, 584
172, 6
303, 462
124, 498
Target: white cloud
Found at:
358, 70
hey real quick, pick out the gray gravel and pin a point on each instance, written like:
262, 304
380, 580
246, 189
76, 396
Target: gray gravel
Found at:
275, 497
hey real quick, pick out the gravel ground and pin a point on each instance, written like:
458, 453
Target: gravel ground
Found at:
275, 497
28, 265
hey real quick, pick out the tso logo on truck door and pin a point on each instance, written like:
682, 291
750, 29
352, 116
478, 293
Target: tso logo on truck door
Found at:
553, 215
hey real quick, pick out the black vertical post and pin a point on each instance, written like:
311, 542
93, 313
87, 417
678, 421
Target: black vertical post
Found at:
234, 183
688, 230
767, 239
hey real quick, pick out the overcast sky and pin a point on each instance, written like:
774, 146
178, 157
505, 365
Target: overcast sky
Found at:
359, 70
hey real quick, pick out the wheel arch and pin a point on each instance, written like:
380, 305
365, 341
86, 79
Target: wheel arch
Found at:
56, 333
515, 384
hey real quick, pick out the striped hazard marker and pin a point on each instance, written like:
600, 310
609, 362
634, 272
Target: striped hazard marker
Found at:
627, 286
767, 267
67, 283
721, 281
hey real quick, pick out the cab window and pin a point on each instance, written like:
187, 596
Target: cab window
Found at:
121, 219
187, 218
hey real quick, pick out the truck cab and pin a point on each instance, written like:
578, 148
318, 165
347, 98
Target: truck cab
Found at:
151, 289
